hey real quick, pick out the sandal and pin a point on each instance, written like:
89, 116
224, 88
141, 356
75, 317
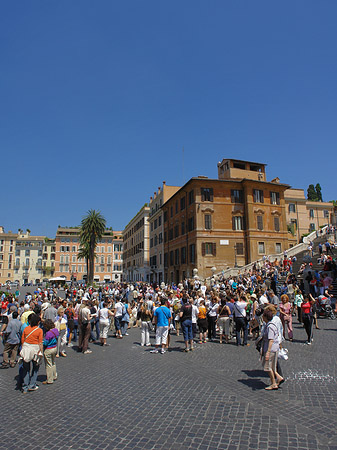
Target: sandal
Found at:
271, 387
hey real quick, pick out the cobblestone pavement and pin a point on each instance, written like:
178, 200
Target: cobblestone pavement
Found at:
124, 397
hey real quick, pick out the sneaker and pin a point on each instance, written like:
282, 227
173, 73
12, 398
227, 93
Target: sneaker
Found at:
191, 349
35, 388
70, 344
162, 351
87, 352
154, 351
308, 343
126, 334
186, 350
148, 345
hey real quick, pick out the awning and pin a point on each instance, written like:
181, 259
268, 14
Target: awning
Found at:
58, 279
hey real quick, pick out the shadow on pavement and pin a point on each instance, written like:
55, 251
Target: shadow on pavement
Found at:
254, 384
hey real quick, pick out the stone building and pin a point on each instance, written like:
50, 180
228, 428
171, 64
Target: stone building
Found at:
305, 216
7, 253
157, 231
225, 222
136, 256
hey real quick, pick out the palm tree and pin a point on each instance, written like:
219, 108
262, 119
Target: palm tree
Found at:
92, 229
83, 253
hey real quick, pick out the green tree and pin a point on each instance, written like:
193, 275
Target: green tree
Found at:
92, 229
318, 192
83, 253
312, 194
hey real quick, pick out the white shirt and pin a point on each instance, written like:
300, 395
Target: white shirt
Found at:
195, 312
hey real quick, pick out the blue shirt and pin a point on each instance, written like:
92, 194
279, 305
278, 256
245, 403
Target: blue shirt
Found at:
14, 331
163, 314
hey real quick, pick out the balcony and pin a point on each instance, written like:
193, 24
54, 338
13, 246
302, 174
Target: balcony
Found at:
17, 266
25, 266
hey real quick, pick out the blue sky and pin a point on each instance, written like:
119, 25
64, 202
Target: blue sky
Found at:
98, 99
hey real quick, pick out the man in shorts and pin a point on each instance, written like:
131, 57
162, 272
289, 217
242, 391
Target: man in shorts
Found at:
162, 317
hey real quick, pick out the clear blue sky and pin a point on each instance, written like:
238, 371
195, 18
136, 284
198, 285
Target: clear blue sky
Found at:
97, 100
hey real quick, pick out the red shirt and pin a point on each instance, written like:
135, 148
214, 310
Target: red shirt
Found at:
306, 307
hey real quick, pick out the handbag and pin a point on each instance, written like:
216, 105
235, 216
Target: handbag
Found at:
283, 354
258, 344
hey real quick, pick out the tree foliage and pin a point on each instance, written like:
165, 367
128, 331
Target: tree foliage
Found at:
92, 229
315, 193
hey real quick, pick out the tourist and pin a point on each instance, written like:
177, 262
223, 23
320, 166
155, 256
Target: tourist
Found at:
270, 348
223, 320
286, 316
31, 352
162, 318
104, 314
186, 323
50, 343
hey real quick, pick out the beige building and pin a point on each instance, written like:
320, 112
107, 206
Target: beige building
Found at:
48, 258
28, 258
7, 253
305, 216
157, 231
136, 257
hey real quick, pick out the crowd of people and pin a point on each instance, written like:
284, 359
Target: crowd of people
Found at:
254, 307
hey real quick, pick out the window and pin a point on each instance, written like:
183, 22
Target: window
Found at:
151, 226
165, 216
206, 194
292, 207
176, 257
311, 213
171, 211
182, 203
326, 214
177, 206
182, 227
192, 253
160, 238
151, 242
170, 234
73, 248
73, 258
17, 252
236, 196
239, 248
165, 259
237, 223
258, 196
278, 247
176, 231
27, 252
102, 259
208, 222
183, 255
312, 227
159, 221
109, 249
171, 257
276, 223
259, 220
261, 248
191, 223
61, 259
191, 197
275, 198
208, 248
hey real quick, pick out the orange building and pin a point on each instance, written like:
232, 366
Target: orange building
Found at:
109, 256
219, 223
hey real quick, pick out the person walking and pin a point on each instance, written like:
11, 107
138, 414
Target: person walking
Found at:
50, 343
32, 347
240, 321
186, 324
286, 316
307, 316
104, 314
145, 317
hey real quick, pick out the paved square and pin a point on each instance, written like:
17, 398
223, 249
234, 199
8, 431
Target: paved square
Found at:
124, 397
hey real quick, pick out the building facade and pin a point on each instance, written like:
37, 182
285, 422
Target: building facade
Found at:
157, 231
305, 216
28, 258
213, 224
108, 262
136, 255
7, 254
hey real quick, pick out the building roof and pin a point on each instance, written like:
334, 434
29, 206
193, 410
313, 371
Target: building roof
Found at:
229, 180
241, 160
